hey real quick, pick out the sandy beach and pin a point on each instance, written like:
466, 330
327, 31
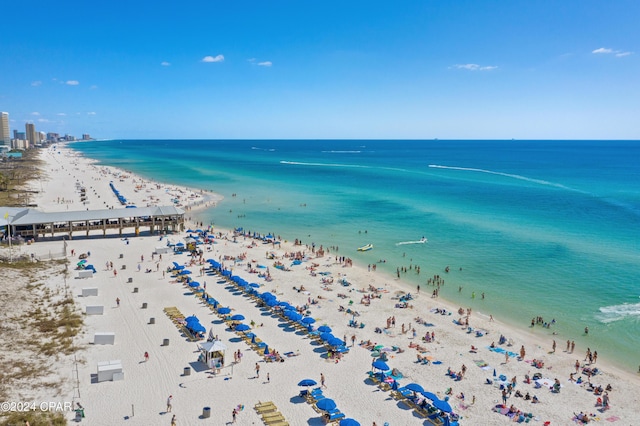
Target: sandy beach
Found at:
141, 283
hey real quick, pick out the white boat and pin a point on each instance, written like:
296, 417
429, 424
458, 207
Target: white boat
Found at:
365, 248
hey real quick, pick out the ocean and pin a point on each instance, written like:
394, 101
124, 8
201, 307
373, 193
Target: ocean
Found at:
541, 228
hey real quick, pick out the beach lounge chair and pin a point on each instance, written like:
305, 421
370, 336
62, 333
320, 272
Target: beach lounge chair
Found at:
264, 404
266, 409
336, 416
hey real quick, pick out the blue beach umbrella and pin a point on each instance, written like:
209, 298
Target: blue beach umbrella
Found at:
191, 318
294, 316
242, 327
271, 302
237, 317
266, 295
414, 387
307, 320
442, 405
335, 342
324, 329
326, 404
224, 311
307, 382
326, 336
194, 284
349, 422
430, 395
380, 365
266, 350
254, 285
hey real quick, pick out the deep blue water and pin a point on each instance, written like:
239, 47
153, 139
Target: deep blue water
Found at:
548, 228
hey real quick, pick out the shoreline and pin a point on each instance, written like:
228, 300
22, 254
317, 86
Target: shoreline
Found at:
451, 346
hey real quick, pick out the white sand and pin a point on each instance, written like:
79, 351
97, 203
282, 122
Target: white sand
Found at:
141, 397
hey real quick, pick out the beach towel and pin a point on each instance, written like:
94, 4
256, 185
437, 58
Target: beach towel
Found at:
482, 364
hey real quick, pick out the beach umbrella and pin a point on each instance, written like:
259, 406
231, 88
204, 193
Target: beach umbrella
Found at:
349, 422
271, 302
194, 284
191, 318
293, 316
179, 267
184, 272
378, 347
224, 311
414, 387
326, 404
237, 317
254, 285
266, 295
242, 327
326, 336
380, 365
189, 230
335, 342
253, 339
429, 395
442, 405
375, 354
307, 382
394, 385
180, 244
266, 350
307, 320
494, 372
199, 231
324, 329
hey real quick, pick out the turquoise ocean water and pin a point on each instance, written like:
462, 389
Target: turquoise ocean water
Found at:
543, 228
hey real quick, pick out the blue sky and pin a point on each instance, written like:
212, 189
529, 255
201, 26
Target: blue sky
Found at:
298, 69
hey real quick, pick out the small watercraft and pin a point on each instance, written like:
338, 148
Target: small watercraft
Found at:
365, 248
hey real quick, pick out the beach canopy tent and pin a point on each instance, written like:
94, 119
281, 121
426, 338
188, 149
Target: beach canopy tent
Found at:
212, 353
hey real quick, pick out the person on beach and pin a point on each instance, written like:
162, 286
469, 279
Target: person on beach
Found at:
522, 352
257, 370
322, 381
115, 273
553, 347
169, 400
118, 302
146, 356
173, 420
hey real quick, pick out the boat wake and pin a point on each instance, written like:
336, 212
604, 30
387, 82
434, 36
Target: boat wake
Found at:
509, 175
255, 148
614, 313
421, 241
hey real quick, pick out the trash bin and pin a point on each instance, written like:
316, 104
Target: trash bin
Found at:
121, 256
130, 280
144, 305
124, 266
135, 289
165, 342
206, 412
187, 371
152, 320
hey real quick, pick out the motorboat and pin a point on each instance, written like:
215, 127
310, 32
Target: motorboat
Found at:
365, 248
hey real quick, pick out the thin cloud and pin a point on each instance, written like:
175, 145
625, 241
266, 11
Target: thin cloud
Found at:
475, 67
91, 113
607, 51
93, 87
265, 64
72, 82
43, 120
35, 113
218, 58
36, 83
165, 64
62, 114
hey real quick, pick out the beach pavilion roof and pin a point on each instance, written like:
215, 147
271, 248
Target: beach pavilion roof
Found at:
20, 216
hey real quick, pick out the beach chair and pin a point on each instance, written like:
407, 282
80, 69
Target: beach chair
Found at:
274, 418
266, 409
264, 404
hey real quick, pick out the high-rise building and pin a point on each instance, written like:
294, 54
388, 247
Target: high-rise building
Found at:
32, 136
5, 135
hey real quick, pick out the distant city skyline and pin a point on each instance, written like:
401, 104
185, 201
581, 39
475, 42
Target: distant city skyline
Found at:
354, 70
